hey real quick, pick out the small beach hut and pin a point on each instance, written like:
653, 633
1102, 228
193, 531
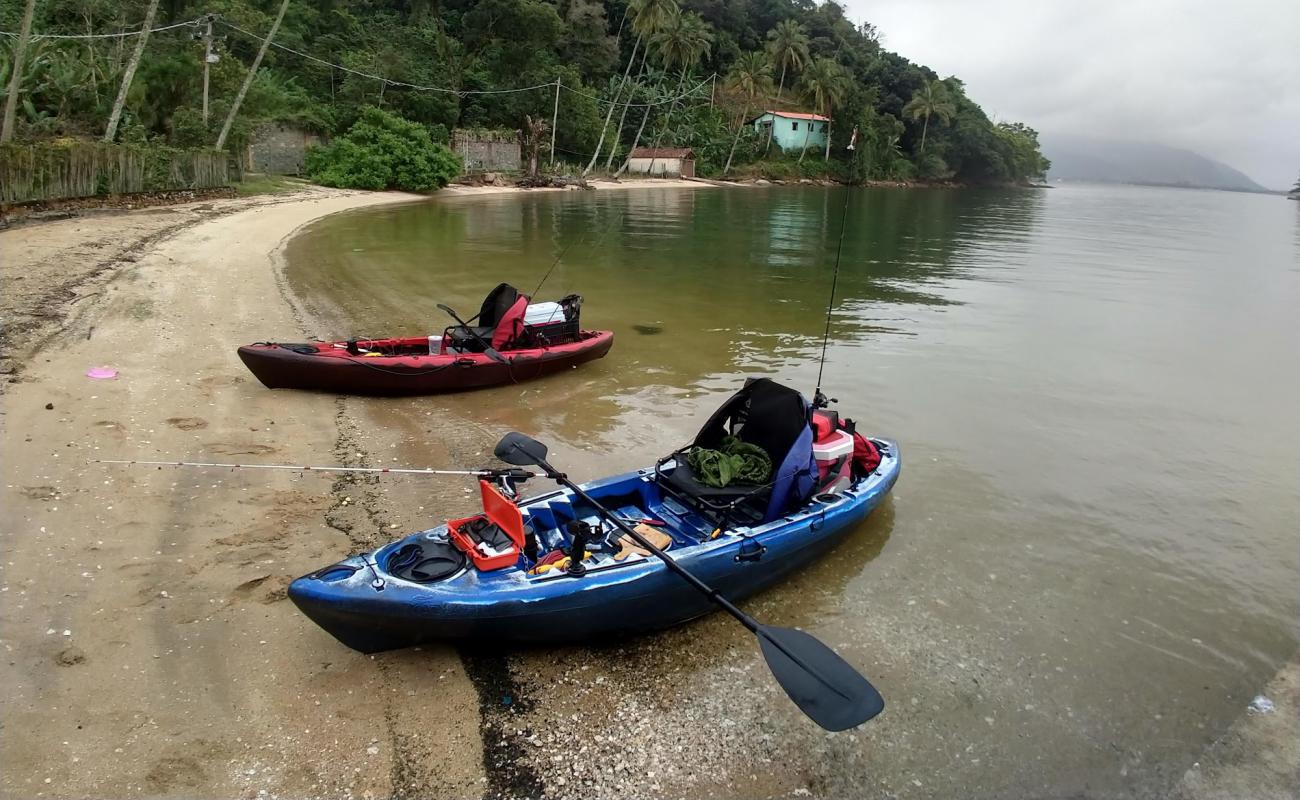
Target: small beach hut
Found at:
672, 162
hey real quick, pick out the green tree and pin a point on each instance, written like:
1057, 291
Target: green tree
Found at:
930, 100
1024, 159
825, 82
751, 76
648, 17
682, 42
383, 151
1295, 190
788, 45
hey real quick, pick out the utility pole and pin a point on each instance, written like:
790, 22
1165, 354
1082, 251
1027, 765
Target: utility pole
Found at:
16, 78
208, 60
248, 79
110, 132
555, 117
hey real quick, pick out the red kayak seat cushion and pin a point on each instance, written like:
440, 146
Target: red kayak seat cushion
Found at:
511, 326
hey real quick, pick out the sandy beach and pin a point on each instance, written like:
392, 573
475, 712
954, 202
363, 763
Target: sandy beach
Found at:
150, 650
149, 647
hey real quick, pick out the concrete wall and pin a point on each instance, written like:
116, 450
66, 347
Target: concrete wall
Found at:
788, 134
278, 149
671, 167
496, 152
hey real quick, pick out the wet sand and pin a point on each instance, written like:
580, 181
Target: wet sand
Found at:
149, 648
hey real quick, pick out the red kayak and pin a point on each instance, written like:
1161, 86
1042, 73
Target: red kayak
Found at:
512, 342
405, 366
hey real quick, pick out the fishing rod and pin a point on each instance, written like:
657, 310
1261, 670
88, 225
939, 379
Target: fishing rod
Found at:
481, 473
554, 264
568, 247
820, 400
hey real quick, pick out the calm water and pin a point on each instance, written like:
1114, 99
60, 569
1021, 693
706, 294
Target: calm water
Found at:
1090, 564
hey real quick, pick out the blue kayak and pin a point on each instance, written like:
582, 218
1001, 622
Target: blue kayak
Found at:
457, 582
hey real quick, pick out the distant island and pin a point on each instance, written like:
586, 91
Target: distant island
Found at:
1079, 158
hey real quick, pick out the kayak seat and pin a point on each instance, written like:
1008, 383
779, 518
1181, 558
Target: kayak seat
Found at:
499, 322
469, 339
770, 416
741, 502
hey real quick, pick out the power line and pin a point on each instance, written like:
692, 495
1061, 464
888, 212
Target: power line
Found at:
120, 35
381, 78
460, 92
688, 93
388, 81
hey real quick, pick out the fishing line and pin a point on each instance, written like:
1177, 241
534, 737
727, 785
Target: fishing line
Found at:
839, 251
482, 473
554, 264
569, 246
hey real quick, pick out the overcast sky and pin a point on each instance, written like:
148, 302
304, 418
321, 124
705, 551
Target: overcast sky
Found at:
1221, 78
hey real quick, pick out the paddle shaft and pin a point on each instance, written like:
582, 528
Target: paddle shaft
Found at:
685, 574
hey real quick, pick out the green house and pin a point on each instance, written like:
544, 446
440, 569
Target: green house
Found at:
792, 130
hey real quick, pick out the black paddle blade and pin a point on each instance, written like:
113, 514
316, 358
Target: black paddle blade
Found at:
520, 450
495, 355
823, 685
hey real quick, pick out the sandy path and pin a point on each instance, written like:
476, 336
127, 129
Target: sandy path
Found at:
149, 650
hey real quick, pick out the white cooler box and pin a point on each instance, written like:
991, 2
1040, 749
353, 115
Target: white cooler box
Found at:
834, 455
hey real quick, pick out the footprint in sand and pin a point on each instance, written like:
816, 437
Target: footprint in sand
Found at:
171, 773
70, 656
187, 423
231, 449
219, 381
264, 589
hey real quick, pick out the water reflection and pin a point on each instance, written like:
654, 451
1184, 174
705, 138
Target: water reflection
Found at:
734, 281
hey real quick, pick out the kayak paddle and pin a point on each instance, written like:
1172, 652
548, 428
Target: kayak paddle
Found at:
824, 686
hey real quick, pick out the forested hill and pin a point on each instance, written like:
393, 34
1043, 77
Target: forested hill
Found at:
1077, 158
661, 72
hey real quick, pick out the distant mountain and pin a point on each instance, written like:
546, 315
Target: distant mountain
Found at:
1077, 158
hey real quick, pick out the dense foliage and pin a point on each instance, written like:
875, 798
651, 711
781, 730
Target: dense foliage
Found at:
624, 66
383, 151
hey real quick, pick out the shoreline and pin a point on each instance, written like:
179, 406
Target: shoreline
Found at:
168, 585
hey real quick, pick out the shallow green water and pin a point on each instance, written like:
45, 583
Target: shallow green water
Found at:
1092, 554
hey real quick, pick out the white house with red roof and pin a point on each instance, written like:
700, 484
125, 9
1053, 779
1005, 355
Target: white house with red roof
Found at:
792, 130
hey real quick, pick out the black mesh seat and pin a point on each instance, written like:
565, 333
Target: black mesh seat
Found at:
765, 414
470, 338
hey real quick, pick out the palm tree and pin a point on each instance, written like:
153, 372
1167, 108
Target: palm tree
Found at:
788, 45
751, 75
682, 42
115, 116
16, 73
826, 83
653, 91
648, 16
930, 100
